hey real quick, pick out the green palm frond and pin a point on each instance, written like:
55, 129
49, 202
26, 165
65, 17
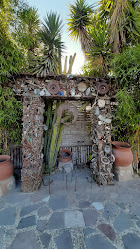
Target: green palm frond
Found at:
117, 24
100, 52
50, 36
50, 33
133, 20
80, 19
105, 8
47, 64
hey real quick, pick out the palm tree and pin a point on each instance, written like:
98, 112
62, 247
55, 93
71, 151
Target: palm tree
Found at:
50, 35
124, 22
80, 19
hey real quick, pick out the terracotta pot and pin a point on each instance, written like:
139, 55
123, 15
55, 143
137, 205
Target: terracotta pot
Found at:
65, 155
123, 153
6, 167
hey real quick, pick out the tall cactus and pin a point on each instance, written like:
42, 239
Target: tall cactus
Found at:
71, 62
65, 66
54, 135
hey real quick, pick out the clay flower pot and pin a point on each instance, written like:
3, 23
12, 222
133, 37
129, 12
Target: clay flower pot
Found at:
6, 167
65, 155
122, 153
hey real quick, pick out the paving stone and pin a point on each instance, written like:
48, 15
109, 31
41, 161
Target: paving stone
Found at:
2, 204
107, 230
131, 241
14, 196
88, 231
97, 205
56, 221
110, 211
101, 197
121, 205
64, 241
27, 222
126, 197
25, 240
8, 216
135, 209
122, 222
138, 223
74, 219
29, 209
113, 195
41, 224
84, 204
43, 211
9, 234
133, 216
90, 217
58, 202
1, 237
35, 198
46, 199
45, 239
98, 242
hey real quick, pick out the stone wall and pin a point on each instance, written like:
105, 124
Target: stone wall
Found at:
101, 136
33, 90
32, 141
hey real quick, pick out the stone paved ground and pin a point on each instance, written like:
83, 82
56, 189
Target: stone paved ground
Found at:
91, 217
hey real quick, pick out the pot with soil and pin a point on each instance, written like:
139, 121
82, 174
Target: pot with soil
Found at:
65, 155
123, 153
6, 167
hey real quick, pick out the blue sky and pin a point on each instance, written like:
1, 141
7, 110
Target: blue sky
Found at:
61, 7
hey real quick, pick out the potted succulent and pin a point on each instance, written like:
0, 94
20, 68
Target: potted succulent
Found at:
10, 129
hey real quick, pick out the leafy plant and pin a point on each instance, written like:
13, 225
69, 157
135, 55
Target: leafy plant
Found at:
126, 118
80, 19
126, 66
100, 52
50, 36
10, 119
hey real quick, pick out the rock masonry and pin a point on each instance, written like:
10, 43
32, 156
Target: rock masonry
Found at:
33, 90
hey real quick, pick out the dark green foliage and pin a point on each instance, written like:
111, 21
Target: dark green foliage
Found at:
100, 53
80, 17
11, 58
50, 35
126, 66
10, 119
46, 64
26, 30
126, 118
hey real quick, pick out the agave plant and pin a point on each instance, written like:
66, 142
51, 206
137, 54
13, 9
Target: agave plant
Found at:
80, 19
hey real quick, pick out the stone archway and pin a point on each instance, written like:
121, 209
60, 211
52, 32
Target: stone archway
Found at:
33, 89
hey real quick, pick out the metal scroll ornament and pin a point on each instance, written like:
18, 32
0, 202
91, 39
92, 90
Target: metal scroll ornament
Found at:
70, 109
102, 88
53, 87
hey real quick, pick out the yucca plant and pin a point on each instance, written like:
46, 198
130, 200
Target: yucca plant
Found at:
100, 52
80, 19
50, 36
124, 23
